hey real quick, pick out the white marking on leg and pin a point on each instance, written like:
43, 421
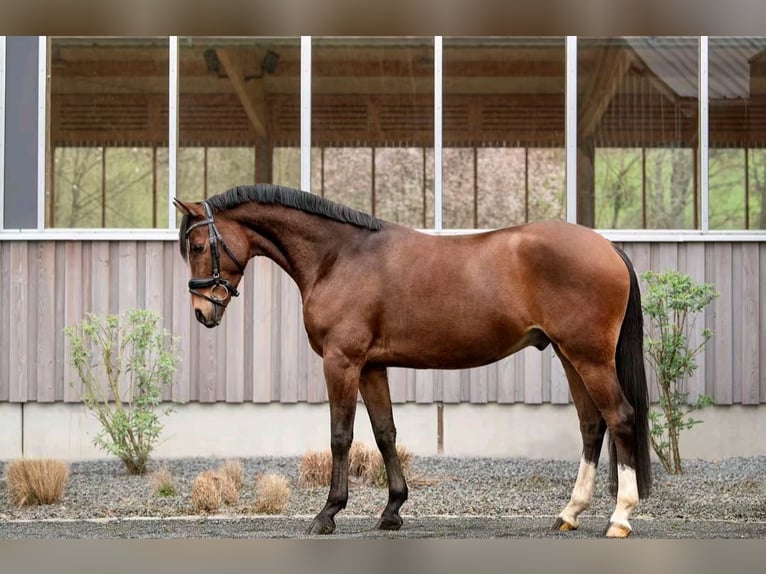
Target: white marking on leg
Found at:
582, 493
627, 495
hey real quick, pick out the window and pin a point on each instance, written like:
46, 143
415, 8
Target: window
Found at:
637, 132
372, 125
108, 132
504, 160
737, 158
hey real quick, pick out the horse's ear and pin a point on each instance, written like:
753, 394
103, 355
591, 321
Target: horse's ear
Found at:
187, 207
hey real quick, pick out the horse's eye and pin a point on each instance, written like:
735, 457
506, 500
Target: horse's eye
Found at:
197, 248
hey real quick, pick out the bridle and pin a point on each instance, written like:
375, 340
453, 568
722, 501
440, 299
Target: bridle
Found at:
215, 281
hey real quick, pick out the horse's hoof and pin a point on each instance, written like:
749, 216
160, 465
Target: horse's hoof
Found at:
562, 525
614, 530
389, 522
319, 526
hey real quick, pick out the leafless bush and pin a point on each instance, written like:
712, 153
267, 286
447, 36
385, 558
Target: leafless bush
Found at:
273, 494
36, 481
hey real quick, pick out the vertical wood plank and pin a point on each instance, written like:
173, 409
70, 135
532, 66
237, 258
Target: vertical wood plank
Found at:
450, 386
19, 319
31, 327
721, 270
410, 373
152, 278
46, 321
559, 383
424, 386
262, 323
124, 283
737, 321
750, 329
545, 358
694, 266
208, 364
762, 320
506, 391
288, 362
479, 378
181, 316
60, 321
533, 376
317, 390
5, 320
73, 314
397, 381
234, 350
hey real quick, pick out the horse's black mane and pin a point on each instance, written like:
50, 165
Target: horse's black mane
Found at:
287, 197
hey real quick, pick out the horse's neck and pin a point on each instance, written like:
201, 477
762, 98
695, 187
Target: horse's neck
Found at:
298, 242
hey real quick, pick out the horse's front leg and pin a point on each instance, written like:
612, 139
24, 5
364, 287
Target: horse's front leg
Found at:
342, 379
377, 398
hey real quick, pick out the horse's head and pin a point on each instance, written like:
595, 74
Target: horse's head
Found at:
217, 252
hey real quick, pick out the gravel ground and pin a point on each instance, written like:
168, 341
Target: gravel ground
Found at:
730, 492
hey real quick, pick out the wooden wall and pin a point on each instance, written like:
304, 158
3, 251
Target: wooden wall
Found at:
260, 353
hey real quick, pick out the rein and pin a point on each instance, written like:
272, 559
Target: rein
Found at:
215, 281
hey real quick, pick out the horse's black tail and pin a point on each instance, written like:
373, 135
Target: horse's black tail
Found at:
632, 375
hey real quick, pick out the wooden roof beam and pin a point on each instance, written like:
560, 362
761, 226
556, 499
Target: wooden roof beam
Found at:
251, 95
613, 64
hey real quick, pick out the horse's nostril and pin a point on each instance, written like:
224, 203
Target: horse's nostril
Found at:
200, 316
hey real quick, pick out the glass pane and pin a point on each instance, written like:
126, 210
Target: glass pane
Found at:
619, 185
726, 184
634, 94
503, 119
501, 189
77, 181
239, 113
108, 100
757, 188
372, 125
736, 90
229, 167
129, 192
345, 175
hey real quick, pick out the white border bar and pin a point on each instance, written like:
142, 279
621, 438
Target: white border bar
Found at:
172, 128
306, 113
703, 135
42, 104
438, 75
2, 132
571, 129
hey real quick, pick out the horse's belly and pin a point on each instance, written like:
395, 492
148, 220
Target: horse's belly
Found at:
457, 347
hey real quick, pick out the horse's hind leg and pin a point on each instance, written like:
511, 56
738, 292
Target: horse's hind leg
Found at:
592, 429
373, 386
603, 387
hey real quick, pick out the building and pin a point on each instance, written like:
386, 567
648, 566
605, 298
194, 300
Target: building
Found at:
657, 142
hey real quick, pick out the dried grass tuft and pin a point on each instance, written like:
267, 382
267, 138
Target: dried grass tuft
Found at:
364, 463
273, 494
229, 490
315, 469
162, 480
206, 493
235, 473
33, 481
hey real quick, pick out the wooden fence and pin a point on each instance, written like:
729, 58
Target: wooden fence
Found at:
260, 352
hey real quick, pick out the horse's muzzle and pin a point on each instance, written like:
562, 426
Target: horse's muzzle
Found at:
209, 323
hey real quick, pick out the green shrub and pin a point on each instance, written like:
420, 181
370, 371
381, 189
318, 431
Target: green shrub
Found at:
130, 348
672, 303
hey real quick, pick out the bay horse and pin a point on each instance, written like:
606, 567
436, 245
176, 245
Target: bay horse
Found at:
376, 294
